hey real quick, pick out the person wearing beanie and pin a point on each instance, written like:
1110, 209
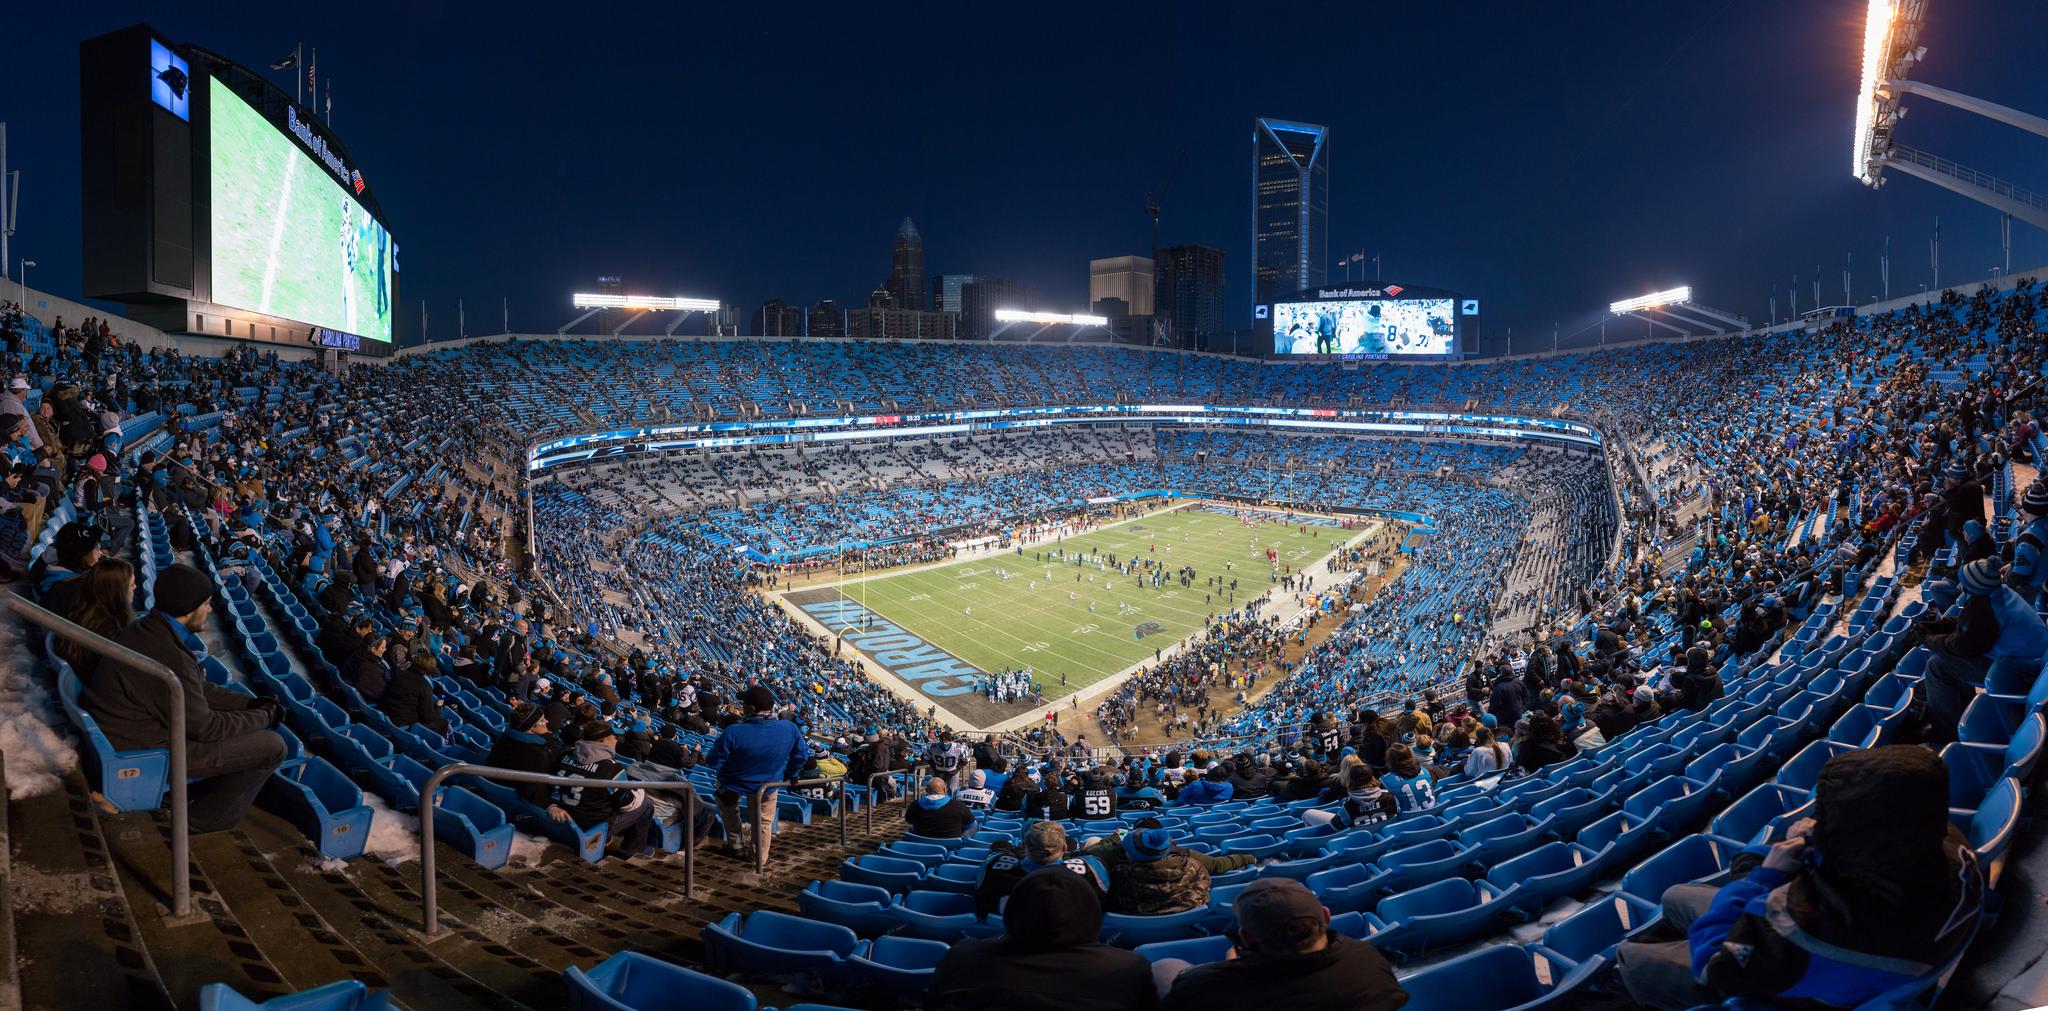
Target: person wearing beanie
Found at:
409, 696
526, 744
1150, 876
229, 745
1050, 957
977, 795
1996, 635
1876, 889
1045, 845
1285, 957
626, 813
1965, 500
79, 545
748, 755
2028, 574
1942, 592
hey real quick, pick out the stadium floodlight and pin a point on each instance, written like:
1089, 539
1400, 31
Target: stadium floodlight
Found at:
1671, 296
1891, 52
1871, 95
1026, 316
588, 300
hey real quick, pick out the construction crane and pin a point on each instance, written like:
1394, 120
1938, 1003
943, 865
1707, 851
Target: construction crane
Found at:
1152, 203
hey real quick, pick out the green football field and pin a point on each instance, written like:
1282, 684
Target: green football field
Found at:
1057, 617
288, 240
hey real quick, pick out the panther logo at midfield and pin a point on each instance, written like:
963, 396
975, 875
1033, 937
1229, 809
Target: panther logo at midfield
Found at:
1145, 628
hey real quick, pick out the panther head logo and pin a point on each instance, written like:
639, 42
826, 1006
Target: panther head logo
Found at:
1145, 628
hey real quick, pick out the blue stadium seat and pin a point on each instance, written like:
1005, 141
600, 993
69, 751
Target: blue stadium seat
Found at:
1549, 871
900, 968
778, 946
630, 981
1690, 858
1504, 836
1593, 931
953, 877
1500, 977
323, 804
1196, 950
1425, 862
1758, 813
1973, 769
893, 873
341, 995
1131, 931
1347, 888
473, 825
1992, 825
939, 916
1440, 914
864, 909
1573, 809
134, 780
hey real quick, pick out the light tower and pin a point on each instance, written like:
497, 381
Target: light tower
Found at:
1891, 49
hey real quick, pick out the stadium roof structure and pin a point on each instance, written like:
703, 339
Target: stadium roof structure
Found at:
1891, 49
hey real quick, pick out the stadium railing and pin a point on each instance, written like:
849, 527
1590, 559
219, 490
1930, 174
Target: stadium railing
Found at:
761, 797
181, 913
430, 926
911, 775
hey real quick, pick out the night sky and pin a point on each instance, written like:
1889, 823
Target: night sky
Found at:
1546, 158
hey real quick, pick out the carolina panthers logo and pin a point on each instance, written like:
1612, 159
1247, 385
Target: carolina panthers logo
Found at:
1145, 628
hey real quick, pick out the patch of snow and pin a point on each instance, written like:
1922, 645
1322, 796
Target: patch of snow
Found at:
39, 753
394, 835
527, 849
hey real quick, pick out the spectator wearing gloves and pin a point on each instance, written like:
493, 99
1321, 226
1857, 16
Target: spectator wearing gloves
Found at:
748, 755
1050, 956
230, 747
1876, 889
1285, 956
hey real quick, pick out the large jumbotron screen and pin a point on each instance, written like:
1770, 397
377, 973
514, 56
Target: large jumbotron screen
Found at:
288, 240
1386, 326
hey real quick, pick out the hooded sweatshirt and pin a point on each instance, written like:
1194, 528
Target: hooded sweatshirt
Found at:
592, 805
1048, 959
1890, 892
938, 816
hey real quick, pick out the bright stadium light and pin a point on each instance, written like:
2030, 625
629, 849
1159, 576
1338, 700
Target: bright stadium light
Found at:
1672, 296
1026, 316
1877, 47
588, 300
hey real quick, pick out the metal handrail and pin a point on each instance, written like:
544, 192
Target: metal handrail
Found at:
760, 797
430, 908
909, 770
181, 854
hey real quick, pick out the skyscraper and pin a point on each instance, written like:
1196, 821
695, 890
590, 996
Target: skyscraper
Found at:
980, 300
827, 320
777, 318
906, 268
1188, 297
946, 291
1125, 277
1290, 207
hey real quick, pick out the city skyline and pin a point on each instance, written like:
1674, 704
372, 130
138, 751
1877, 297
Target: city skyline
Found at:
1578, 185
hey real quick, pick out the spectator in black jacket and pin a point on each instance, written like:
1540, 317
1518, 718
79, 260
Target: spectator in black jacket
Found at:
1286, 957
1049, 958
628, 812
937, 815
524, 745
1507, 703
367, 670
409, 698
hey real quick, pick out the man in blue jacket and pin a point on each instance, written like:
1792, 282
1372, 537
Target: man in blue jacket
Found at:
1875, 890
761, 749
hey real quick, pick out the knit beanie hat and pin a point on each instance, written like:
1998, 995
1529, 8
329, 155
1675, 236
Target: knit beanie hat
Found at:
1981, 577
1147, 845
758, 699
2036, 500
180, 590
